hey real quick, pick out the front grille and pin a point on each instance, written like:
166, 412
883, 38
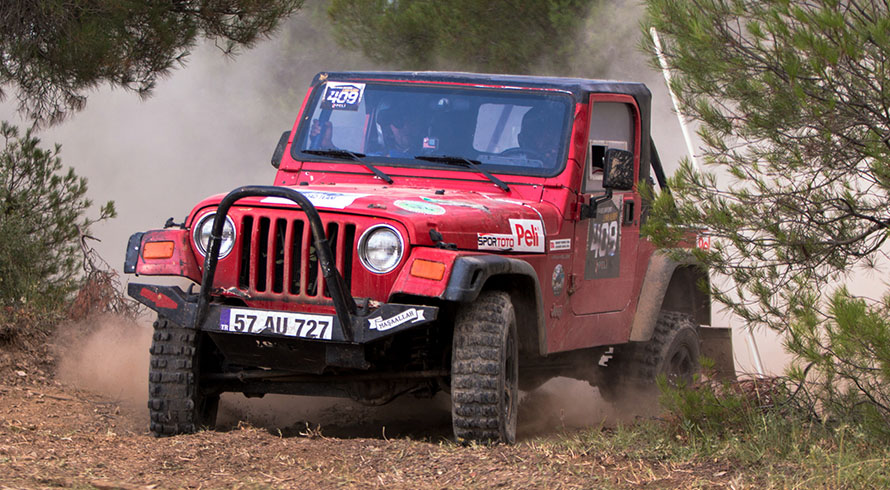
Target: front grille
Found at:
277, 256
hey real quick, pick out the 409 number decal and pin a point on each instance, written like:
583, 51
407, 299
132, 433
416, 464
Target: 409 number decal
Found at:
604, 242
604, 239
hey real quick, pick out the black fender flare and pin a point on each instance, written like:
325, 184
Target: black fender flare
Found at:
470, 274
660, 290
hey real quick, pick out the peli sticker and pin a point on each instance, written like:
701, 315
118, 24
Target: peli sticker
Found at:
345, 96
527, 236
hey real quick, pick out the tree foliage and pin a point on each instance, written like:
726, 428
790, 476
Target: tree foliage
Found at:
54, 51
500, 35
793, 108
42, 219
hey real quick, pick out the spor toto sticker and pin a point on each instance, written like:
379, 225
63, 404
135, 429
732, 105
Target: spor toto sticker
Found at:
527, 235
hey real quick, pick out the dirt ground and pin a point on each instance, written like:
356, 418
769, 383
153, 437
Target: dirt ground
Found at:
73, 415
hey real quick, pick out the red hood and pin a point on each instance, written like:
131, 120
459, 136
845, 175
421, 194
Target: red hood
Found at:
469, 219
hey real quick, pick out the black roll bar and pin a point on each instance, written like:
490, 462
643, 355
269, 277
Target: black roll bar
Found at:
344, 304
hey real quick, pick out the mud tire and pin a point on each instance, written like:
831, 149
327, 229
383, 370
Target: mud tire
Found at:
485, 371
673, 351
176, 402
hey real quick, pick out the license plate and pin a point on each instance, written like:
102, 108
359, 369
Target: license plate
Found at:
276, 323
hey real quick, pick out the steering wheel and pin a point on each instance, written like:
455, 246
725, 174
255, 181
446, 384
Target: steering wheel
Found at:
517, 151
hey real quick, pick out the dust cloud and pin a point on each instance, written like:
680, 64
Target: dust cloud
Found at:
106, 355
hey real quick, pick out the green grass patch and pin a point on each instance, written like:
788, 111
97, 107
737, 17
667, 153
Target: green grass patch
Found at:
747, 434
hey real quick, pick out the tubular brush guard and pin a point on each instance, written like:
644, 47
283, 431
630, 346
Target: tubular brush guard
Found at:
350, 325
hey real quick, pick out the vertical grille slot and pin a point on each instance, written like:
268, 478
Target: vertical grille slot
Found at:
333, 239
244, 269
262, 256
312, 274
345, 260
278, 255
295, 257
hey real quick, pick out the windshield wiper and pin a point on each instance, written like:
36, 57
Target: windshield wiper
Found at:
354, 156
464, 162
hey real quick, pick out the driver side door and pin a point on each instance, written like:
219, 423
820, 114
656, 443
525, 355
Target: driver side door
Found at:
604, 269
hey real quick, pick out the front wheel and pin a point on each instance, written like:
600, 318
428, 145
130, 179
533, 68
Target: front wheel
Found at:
485, 371
176, 402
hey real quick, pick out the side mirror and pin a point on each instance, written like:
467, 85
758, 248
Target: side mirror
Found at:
278, 154
618, 174
618, 170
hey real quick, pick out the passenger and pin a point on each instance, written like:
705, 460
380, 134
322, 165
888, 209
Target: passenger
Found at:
539, 137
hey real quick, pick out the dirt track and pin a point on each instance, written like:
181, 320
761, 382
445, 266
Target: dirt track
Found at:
54, 434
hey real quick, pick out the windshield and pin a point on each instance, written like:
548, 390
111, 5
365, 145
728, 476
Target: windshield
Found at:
515, 132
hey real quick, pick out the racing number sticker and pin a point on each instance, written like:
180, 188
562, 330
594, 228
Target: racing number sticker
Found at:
604, 242
343, 96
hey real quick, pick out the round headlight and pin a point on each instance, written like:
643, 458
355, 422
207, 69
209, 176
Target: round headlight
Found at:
202, 235
380, 249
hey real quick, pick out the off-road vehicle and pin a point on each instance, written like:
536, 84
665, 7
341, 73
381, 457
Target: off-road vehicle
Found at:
473, 234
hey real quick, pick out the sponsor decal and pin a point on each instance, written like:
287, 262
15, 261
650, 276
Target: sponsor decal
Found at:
527, 236
561, 244
343, 96
558, 280
604, 242
420, 207
320, 199
703, 242
459, 204
412, 315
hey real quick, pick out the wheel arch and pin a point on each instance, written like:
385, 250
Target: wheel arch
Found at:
670, 285
473, 274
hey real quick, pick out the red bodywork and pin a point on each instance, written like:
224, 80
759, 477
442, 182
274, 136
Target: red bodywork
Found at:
463, 206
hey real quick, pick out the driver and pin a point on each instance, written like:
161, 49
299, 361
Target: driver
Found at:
539, 135
402, 132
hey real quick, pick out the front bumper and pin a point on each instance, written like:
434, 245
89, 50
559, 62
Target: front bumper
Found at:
363, 326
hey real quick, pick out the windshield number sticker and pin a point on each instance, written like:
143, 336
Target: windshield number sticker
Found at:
343, 96
276, 323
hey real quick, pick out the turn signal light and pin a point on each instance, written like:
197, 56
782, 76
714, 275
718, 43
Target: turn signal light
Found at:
157, 250
428, 269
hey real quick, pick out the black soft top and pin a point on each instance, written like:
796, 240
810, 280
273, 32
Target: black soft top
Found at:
579, 88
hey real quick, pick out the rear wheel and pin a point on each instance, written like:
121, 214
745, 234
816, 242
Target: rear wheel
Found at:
673, 351
485, 371
176, 402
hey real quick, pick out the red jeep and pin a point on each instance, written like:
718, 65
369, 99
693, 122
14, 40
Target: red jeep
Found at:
476, 234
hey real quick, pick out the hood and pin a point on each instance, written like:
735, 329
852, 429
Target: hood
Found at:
471, 220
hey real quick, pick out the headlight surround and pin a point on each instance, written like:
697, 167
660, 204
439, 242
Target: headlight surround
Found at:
201, 235
380, 248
